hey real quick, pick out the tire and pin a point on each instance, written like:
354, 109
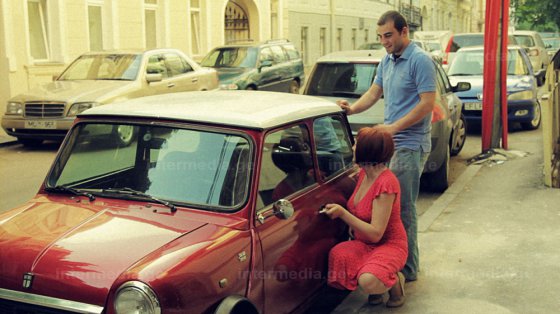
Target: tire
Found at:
459, 137
536, 122
250, 87
30, 142
438, 181
294, 87
124, 134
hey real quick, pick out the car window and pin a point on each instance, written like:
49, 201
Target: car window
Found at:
341, 79
266, 54
293, 54
103, 67
460, 41
525, 40
176, 65
156, 65
198, 168
278, 54
467, 63
231, 57
444, 79
287, 164
516, 64
334, 150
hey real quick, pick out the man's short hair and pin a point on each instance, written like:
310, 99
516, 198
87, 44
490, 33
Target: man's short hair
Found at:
396, 17
373, 146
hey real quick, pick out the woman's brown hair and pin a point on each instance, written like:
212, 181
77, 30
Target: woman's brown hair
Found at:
373, 146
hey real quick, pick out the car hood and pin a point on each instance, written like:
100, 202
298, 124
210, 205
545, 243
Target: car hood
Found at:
514, 83
79, 249
374, 115
76, 91
227, 75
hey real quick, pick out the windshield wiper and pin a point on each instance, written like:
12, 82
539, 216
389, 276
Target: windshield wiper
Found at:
463, 74
129, 191
62, 188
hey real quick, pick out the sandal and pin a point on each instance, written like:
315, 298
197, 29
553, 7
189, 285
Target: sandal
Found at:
398, 300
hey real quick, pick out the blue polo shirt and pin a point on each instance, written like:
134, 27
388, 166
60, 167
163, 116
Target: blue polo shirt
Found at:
403, 80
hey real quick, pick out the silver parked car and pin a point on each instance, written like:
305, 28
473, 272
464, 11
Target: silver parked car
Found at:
536, 49
98, 78
349, 74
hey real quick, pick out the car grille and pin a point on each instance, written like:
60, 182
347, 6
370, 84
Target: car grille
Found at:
12, 307
44, 110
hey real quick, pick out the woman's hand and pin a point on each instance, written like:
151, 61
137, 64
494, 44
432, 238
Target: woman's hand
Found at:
334, 211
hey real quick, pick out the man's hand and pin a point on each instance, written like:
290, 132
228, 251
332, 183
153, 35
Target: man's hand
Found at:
345, 105
389, 128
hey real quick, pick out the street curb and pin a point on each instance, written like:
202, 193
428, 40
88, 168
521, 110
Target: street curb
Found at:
8, 143
441, 203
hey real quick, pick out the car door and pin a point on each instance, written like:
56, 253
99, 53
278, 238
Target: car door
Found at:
176, 74
295, 250
269, 75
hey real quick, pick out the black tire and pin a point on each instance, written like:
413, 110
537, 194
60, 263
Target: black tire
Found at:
30, 142
294, 87
536, 122
438, 181
459, 137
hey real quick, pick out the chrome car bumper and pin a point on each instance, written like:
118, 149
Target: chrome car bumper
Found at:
37, 301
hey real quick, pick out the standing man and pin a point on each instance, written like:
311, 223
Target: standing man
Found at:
407, 78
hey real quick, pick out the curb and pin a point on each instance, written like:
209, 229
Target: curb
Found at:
441, 203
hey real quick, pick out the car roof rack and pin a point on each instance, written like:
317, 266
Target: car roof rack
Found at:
277, 41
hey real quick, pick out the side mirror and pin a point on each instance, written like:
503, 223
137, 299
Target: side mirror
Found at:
283, 209
462, 87
153, 77
265, 63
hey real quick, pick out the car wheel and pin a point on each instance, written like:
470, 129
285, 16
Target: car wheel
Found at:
536, 122
124, 134
438, 181
459, 137
250, 87
294, 87
30, 142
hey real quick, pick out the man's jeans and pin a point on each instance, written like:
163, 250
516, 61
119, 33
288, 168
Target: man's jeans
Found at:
407, 165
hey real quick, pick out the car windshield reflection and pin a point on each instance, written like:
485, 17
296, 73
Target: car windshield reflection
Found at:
183, 166
103, 67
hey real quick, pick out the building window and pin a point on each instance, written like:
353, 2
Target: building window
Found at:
354, 34
195, 27
323, 41
95, 27
304, 44
38, 30
150, 23
366, 35
274, 19
339, 39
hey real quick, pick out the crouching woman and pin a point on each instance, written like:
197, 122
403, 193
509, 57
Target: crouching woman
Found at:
377, 250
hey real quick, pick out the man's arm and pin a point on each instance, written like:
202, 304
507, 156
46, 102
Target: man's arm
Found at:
424, 107
365, 102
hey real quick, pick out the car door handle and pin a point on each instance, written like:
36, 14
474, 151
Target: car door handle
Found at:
171, 85
194, 80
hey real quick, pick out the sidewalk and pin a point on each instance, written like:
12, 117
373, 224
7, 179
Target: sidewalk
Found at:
488, 245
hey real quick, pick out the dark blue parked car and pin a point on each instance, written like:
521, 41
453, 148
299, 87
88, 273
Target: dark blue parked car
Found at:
523, 104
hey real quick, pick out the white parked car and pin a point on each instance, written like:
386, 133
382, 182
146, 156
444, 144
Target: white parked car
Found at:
98, 78
536, 49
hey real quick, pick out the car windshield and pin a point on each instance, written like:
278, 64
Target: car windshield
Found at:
103, 67
341, 79
231, 57
525, 40
472, 62
193, 167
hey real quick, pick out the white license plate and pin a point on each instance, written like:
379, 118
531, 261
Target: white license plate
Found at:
36, 124
473, 106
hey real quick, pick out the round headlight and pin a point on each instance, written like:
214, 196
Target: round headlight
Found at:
135, 297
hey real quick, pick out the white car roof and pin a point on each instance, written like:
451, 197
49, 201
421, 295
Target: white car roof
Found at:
250, 109
354, 56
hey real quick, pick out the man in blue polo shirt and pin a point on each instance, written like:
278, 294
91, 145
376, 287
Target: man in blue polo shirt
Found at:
406, 77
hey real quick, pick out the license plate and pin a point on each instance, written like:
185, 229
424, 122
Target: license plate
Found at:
473, 106
35, 124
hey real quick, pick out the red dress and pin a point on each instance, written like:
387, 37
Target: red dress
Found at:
349, 259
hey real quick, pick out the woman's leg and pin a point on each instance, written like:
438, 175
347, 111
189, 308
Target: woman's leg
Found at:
371, 284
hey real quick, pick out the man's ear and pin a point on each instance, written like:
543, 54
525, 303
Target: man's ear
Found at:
405, 31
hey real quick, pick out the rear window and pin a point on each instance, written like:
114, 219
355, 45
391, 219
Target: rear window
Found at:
293, 54
341, 79
525, 40
460, 41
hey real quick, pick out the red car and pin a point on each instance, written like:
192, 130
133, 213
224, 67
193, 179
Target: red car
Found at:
199, 202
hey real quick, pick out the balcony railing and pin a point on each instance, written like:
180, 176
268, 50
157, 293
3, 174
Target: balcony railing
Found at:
412, 14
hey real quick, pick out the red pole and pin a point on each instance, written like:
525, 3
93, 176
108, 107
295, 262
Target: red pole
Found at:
504, 102
490, 45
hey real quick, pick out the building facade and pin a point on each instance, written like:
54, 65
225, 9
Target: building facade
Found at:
38, 38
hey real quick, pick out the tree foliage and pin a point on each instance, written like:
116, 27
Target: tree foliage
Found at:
538, 15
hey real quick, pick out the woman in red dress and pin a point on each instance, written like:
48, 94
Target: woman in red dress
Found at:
378, 250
